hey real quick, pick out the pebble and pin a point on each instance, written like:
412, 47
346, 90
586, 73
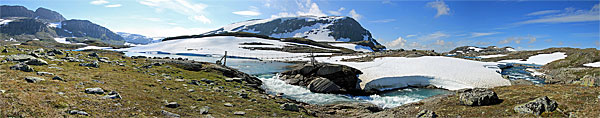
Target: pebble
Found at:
241, 113
172, 105
77, 112
203, 111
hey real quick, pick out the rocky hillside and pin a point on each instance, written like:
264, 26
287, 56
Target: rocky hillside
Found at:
85, 28
322, 29
15, 11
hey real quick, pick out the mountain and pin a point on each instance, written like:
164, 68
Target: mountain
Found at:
137, 38
15, 11
20, 23
322, 29
51, 16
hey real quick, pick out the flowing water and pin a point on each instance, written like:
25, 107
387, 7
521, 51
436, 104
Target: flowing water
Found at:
519, 72
267, 70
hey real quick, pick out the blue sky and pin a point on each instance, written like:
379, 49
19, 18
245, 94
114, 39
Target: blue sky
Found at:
438, 25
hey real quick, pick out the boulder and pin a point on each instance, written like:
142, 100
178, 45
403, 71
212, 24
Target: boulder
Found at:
342, 76
55, 51
22, 67
94, 91
169, 114
204, 111
37, 62
93, 64
78, 112
426, 114
241, 113
45, 74
289, 107
228, 105
323, 85
58, 78
172, 105
112, 95
33, 79
5, 50
477, 97
19, 58
329, 69
537, 106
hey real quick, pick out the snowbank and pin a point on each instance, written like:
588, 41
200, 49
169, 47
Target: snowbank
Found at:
445, 72
492, 56
353, 47
541, 59
219, 44
595, 64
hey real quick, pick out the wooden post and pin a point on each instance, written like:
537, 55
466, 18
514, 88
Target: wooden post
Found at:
225, 59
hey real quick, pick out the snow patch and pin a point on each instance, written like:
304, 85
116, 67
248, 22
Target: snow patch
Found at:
541, 59
475, 48
352, 47
595, 64
491, 56
445, 72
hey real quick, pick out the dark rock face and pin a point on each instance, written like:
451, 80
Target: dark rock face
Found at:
15, 11
537, 106
51, 16
323, 85
477, 97
324, 78
25, 26
83, 28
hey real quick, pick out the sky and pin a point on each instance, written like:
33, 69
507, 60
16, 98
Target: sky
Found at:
432, 25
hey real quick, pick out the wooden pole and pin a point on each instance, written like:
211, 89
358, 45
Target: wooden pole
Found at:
225, 61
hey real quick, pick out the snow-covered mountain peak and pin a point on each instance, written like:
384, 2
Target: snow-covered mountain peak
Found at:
322, 29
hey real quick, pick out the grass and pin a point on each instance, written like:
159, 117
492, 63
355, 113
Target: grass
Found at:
576, 100
143, 95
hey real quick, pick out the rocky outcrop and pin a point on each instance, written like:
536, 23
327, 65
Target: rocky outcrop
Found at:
49, 15
15, 11
477, 97
324, 78
537, 106
590, 80
22, 67
426, 114
26, 26
344, 109
85, 28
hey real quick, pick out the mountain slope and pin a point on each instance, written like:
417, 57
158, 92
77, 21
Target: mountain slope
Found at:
49, 15
322, 29
136, 38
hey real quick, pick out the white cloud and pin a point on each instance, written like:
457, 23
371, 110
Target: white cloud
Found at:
98, 2
354, 15
309, 9
569, 15
252, 12
439, 42
152, 19
398, 43
434, 36
480, 34
283, 14
517, 40
194, 11
410, 35
338, 12
440, 6
113, 5
384, 21
543, 12
532, 39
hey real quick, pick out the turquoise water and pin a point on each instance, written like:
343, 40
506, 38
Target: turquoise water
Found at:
266, 71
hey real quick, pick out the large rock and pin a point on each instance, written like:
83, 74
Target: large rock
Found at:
323, 85
537, 106
37, 62
289, 107
22, 67
19, 57
94, 91
343, 77
169, 114
477, 97
426, 114
34, 79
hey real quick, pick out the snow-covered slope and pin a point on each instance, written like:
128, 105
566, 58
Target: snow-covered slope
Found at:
354, 47
541, 59
445, 72
324, 29
137, 38
219, 44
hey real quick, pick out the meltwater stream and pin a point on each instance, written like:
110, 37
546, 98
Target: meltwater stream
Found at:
266, 71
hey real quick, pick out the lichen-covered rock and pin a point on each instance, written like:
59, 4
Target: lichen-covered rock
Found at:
537, 106
19, 58
33, 79
22, 67
323, 85
477, 97
426, 114
169, 114
289, 107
